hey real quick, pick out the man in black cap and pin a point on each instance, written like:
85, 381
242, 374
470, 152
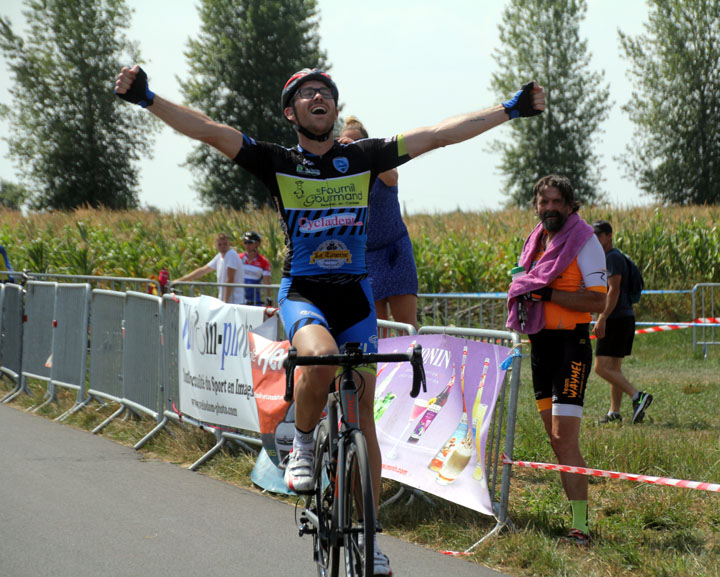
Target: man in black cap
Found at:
615, 331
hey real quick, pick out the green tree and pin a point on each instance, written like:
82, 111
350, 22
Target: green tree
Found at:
675, 153
71, 139
12, 195
540, 39
246, 51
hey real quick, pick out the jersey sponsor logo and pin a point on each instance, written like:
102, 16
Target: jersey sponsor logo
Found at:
308, 313
573, 385
307, 170
326, 222
341, 164
308, 193
331, 254
299, 192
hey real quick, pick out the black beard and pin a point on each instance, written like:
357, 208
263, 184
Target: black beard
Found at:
553, 221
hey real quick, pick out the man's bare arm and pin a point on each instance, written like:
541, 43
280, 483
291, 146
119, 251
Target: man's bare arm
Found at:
586, 302
389, 177
613, 295
197, 126
197, 273
466, 126
191, 123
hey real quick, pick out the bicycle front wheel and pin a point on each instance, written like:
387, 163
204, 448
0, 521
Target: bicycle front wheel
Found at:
359, 508
326, 543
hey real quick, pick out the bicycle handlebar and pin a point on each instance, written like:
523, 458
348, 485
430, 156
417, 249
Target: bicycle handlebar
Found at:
353, 357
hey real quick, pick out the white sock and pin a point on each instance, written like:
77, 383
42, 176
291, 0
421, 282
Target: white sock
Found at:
303, 441
635, 396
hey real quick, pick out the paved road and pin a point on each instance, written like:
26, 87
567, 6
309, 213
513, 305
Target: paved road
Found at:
73, 504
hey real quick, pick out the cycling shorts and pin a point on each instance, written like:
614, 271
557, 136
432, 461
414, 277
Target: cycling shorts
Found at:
561, 361
618, 339
346, 310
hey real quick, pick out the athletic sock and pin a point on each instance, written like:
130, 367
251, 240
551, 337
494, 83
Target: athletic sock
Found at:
580, 516
635, 396
303, 440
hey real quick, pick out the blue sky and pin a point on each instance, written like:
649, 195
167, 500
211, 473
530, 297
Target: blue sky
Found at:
398, 65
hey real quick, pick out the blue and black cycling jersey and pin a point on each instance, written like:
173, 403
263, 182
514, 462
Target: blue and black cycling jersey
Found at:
323, 200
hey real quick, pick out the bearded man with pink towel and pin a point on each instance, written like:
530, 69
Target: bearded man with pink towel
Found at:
552, 304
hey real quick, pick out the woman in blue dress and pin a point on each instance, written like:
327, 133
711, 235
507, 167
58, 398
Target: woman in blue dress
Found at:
390, 260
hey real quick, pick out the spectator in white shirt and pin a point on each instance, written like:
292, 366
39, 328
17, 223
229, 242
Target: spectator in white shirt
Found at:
229, 269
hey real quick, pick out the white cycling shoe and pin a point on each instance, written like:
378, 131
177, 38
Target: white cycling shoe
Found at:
299, 471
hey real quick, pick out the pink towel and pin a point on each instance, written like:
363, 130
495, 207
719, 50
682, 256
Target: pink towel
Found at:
559, 254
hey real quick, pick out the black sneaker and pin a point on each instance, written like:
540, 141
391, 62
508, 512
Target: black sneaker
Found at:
611, 418
640, 405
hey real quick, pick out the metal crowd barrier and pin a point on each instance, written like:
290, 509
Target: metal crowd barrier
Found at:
69, 341
106, 345
118, 283
142, 356
170, 394
37, 333
170, 390
501, 425
11, 335
54, 330
389, 329
706, 305
463, 309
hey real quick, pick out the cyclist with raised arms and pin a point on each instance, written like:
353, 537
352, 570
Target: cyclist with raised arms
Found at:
320, 188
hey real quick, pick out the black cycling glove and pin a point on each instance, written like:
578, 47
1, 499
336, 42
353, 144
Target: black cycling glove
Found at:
139, 92
541, 294
521, 103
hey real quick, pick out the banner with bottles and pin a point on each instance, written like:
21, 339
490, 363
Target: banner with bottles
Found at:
436, 442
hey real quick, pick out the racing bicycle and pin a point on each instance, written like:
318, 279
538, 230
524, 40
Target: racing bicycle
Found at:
340, 510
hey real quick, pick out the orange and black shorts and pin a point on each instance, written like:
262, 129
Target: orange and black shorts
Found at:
561, 361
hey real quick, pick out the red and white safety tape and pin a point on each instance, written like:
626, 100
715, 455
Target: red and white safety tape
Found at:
673, 327
701, 321
715, 487
660, 329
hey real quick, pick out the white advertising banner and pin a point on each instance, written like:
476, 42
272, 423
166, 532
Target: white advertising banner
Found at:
215, 374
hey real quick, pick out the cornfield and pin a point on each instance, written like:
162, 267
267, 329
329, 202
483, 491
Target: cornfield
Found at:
675, 247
